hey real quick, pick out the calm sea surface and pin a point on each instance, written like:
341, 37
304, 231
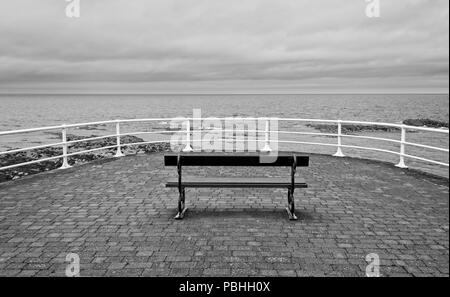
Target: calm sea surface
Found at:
26, 111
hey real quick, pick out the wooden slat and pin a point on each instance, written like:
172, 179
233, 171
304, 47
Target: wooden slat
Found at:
235, 182
236, 159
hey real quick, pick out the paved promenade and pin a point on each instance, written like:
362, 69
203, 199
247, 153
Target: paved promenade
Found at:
117, 215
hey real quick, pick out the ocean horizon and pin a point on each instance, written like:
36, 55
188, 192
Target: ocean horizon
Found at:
21, 111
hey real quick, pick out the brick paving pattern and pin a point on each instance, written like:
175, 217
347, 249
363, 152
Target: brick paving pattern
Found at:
118, 216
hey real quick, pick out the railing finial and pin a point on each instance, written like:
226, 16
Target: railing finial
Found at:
119, 147
65, 162
339, 152
266, 148
188, 147
402, 164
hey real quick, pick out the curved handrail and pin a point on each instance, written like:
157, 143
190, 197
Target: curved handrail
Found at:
339, 135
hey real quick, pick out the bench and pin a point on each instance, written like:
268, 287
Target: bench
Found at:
242, 159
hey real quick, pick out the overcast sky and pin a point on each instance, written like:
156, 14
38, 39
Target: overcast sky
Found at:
224, 46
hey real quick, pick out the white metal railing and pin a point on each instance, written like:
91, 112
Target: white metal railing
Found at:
65, 144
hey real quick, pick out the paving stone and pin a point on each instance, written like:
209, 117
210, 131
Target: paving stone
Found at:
118, 217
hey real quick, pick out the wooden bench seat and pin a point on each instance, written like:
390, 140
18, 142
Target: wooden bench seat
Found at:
235, 182
239, 160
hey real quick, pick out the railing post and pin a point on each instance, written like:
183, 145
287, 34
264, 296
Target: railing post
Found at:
65, 163
266, 148
402, 164
119, 148
339, 152
188, 147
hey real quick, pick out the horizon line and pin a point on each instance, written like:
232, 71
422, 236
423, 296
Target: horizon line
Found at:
230, 94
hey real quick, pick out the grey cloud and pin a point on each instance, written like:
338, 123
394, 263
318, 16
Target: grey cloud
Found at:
165, 43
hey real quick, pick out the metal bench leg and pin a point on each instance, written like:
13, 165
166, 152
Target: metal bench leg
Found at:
291, 206
181, 205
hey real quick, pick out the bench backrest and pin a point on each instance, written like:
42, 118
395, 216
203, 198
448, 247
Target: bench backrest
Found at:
238, 159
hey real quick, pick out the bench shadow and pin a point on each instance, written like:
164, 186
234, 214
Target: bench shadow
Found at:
193, 214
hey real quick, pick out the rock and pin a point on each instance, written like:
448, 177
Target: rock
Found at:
333, 129
22, 157
425, 123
